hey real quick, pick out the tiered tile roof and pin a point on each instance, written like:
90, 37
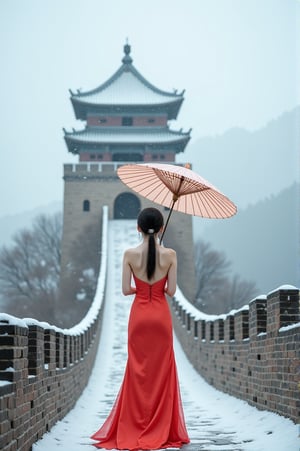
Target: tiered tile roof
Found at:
126, 95
133, 135
126, 88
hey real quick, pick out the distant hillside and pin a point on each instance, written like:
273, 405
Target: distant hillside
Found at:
250, 166
262, 241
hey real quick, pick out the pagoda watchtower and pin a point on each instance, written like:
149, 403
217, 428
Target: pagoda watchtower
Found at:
126, 120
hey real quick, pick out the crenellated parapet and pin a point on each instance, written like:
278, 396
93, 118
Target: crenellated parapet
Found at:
44, 369
94, 170
252, 353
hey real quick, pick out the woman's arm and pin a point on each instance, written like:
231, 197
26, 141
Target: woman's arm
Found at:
172, 275
126, 276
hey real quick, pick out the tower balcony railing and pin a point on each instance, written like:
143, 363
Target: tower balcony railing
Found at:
104, 166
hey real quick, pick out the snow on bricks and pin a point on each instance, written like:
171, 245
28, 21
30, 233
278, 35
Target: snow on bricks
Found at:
252, 353
44, 369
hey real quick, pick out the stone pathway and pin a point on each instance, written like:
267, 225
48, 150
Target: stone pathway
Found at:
202, 429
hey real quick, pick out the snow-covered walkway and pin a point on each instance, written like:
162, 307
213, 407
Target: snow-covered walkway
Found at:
215, 421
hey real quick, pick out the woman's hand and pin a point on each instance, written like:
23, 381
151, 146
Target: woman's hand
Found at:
170, 287
132, 290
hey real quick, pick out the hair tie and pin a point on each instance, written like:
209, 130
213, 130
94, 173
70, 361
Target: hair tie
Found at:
150, 231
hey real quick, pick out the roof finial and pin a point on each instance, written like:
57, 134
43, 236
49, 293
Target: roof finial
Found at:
127, 58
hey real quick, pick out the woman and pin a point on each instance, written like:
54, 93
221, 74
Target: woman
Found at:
147, 413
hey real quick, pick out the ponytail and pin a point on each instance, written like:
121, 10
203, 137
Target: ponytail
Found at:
151, 258
150, 220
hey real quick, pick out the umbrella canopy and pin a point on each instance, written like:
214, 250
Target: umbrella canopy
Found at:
178, 188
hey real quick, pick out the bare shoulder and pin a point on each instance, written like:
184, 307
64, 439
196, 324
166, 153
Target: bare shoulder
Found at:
131, 253
168, 250
169, 253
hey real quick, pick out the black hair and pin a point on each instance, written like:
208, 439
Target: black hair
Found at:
150, 220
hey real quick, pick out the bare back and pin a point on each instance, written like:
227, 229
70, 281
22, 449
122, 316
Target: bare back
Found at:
135, 261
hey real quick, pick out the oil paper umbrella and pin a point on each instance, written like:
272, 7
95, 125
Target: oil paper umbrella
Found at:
178, 188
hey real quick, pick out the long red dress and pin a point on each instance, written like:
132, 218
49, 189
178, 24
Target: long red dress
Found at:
147, 413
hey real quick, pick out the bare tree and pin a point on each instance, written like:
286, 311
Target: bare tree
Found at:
217, 291
49, 231
211, 269
79, 279
30, 268
30, 273
238, 292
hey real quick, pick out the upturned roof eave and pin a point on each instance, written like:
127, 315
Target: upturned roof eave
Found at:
183, 138
149, 131
130, 143
178, 149
81, 108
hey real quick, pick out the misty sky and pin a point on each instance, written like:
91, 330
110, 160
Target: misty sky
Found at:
236, 59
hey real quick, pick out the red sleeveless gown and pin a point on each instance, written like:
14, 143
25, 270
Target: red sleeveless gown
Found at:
147, 413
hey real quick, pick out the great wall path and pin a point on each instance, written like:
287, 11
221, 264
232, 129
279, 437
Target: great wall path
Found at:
215, 421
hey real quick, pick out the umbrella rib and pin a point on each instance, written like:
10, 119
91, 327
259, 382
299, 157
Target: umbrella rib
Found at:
222, 203
192, 203
202, 207
146, 185
212, 198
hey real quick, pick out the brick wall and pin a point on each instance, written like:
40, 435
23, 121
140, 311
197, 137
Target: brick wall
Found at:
252, 353
43, 369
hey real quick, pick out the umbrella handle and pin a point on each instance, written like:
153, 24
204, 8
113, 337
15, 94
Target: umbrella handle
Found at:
167, 222
175, 199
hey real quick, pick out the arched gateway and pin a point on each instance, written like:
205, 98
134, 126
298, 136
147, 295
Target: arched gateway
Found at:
126, 206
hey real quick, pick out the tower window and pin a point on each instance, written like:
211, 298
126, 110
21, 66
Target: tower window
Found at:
127, 121
160, 156
102, 120
151, 120
86, 205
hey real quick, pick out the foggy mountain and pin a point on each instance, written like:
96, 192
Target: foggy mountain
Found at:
262, 241
250, 166
258, 171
